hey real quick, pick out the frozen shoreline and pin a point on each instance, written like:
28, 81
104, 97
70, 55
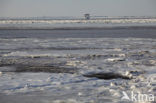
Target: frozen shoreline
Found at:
77, 24
118, 58
76, 61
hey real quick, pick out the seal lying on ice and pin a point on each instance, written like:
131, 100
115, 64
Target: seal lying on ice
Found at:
107, 76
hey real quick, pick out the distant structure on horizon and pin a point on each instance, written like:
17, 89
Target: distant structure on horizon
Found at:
87, 16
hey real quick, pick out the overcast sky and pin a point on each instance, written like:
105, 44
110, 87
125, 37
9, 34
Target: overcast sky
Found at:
31, 8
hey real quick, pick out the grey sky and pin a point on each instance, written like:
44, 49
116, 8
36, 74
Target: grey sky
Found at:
31, 8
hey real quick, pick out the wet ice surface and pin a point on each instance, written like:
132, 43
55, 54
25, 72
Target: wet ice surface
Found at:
76, 70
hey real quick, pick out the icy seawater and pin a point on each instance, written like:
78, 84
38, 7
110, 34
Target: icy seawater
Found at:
77, 70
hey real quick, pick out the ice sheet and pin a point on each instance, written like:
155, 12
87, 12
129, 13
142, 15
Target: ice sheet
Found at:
28, 69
